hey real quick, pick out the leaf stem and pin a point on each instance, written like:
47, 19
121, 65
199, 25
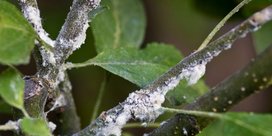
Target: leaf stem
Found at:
100, 95
25, 113
221, 24
70, 65
195, 113
135, 125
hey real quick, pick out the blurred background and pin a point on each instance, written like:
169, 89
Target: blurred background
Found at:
183, 23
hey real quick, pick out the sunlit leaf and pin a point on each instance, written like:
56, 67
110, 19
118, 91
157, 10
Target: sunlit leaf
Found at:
122, 25
16, 35
12, 88
35, 127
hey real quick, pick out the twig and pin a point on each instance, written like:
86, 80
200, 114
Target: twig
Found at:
68, 118
10, 125
50, 56
145, 104
73, 32
222, 97
32, 14
221, 24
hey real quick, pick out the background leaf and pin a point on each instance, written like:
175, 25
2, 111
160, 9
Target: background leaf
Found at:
16, 36
262, 37
12, 88
240, 124
122, 25
4, 107
138, 66
34, 127
142, 67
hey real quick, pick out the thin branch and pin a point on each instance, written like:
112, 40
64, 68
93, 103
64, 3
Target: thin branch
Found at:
255, 77
73, 32
145, 104
32, 14
68, 118
221, 24
10, 125
50, 56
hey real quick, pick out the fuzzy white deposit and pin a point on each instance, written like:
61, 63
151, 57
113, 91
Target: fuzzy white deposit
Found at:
80, 39
184, 131
47, 56
52, 126
115, 124
261, 17
59, 102
170, 84
95, 3
77, 41
194, 73
145, 105
61, 75
33, 16
13, 124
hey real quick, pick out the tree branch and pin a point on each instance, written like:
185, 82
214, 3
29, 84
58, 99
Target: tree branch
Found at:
70, 122
51, 80
145, 104
73, 32
255, 77
32, 14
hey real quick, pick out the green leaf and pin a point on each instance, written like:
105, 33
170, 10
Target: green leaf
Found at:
186, 94
240, 124
16, 36
138, 66
122, 25
262, 37
142, 67
12, 88
35, 127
